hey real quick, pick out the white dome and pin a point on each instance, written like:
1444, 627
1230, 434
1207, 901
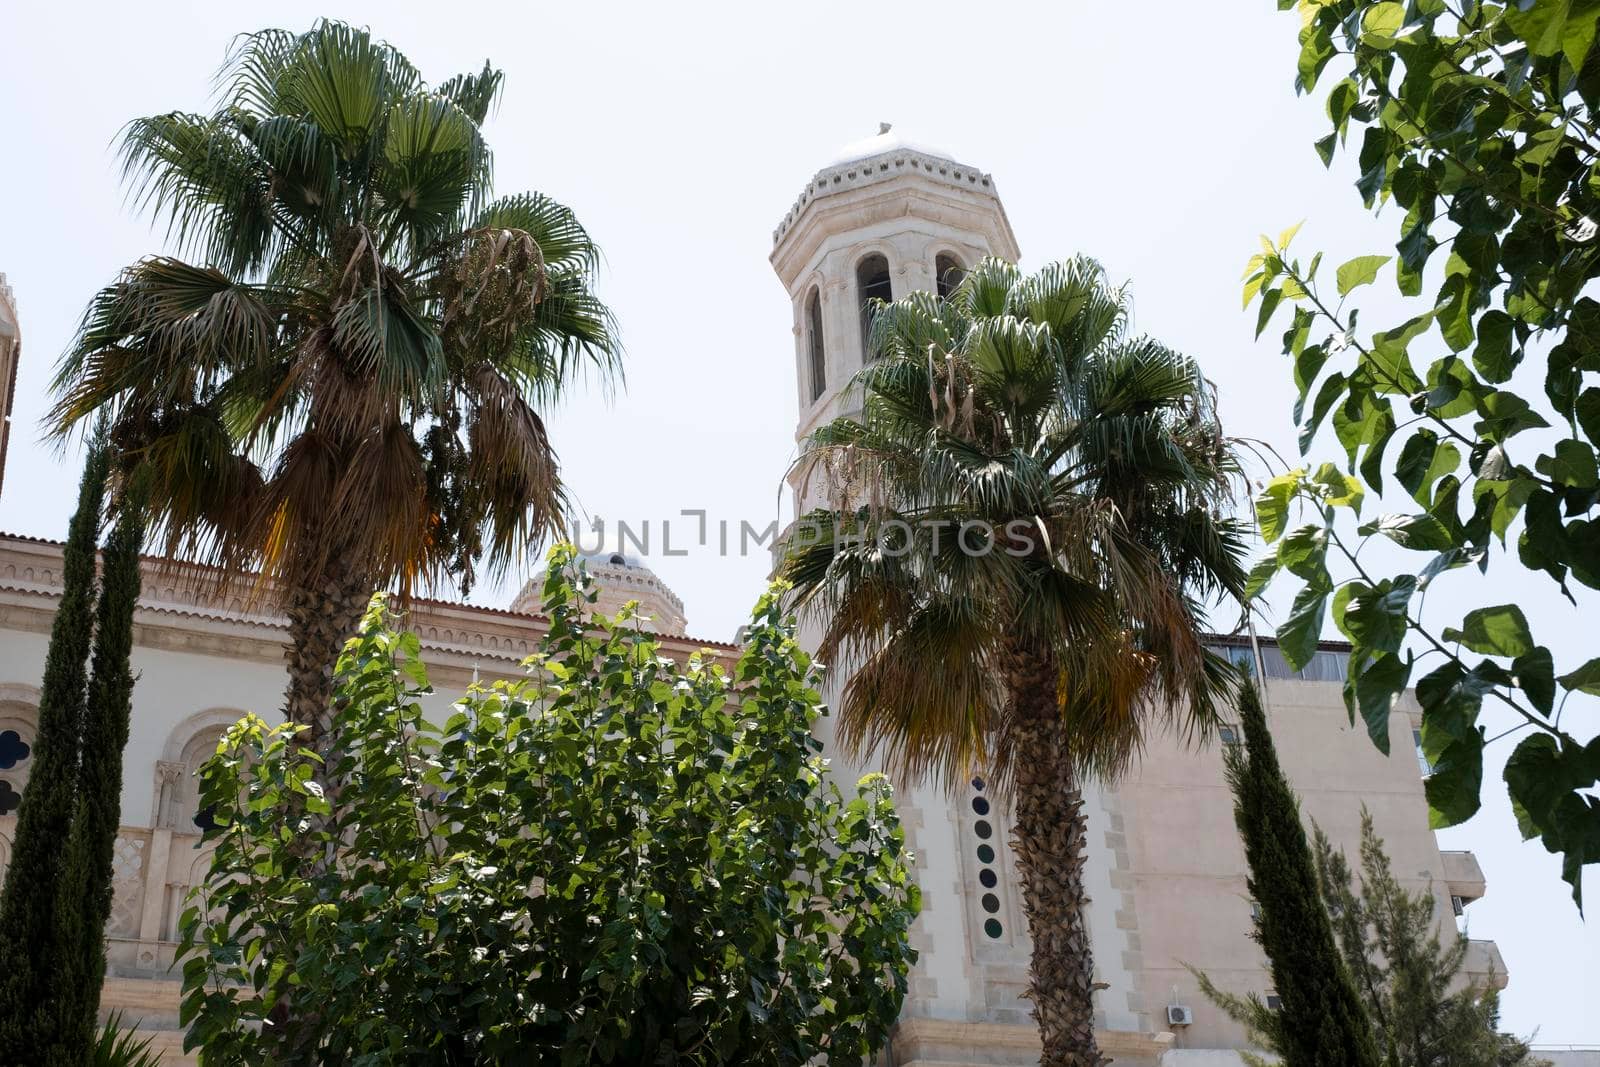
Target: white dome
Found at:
884, 141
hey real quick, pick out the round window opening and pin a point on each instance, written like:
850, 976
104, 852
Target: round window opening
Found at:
992, 928
987, 877
980, 805
991, 903
983, 829
986, 854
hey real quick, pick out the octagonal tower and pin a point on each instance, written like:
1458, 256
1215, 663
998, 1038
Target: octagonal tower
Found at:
885, 218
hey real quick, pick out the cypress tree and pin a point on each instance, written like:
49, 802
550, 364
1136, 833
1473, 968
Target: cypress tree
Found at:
29, 949
1322, 1022
86, 903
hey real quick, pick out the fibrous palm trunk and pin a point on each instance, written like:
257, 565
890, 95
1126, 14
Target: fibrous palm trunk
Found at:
1049, 836
322, 616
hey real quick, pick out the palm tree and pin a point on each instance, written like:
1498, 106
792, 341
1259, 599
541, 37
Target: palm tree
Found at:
341, 387
1026, 524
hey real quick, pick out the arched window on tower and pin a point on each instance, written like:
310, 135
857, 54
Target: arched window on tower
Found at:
872, 283
816, 354
947, 273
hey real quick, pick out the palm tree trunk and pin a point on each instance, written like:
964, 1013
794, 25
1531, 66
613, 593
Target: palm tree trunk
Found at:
1049, 837
322, 616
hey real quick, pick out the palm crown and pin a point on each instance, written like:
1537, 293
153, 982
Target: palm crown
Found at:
1087, 471
349, 376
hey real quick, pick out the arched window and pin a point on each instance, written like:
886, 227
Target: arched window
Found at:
872, 283
816, 353
18, 724
200, 748
947, 273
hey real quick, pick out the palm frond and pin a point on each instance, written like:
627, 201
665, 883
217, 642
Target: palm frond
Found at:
474, 93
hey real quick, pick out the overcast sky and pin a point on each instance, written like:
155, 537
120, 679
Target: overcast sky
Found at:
1160, 137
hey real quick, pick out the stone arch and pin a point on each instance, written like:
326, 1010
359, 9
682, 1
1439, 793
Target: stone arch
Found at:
189, 744
19, 726
949, 267
872, 274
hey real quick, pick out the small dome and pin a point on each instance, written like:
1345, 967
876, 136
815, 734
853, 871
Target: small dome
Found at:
884, 141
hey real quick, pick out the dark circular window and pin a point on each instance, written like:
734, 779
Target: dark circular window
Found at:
977, 783
980, 805
985, 853
983, 829
991, 903
987, 877
992, 927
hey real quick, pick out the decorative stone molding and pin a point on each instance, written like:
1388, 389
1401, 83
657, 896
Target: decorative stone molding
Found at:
863, 172
186, 608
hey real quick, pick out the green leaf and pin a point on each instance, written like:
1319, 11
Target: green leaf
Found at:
1300, 632
1374, 617
1305, 552
1270, 299
1423, 461
1381, 24
1343, 491
1572, 463
1492, 357
1454, 786
1535, 676
1362, 270
1501, 630
1421, 533
1379, 683
1586, 679
1272, 505
1261, 576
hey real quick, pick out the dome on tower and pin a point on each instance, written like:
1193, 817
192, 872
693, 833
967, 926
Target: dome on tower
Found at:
884, 142
618, 577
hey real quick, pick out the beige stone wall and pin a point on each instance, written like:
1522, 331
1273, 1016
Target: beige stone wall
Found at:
1187, 865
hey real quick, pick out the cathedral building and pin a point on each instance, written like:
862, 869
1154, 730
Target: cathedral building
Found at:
1166, 872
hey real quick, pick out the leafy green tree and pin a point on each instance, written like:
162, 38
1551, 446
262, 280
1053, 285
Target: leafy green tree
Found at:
1027, 526
1477, 120
341, 387
1322, 1021
1422, 1010
618, 860
31, 1016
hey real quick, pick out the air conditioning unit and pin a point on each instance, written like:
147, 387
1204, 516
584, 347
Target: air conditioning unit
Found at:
1178, 1015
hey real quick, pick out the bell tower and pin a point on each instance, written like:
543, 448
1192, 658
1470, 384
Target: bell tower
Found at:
885, 218
10, 354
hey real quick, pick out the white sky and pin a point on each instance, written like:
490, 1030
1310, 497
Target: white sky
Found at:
1160, 137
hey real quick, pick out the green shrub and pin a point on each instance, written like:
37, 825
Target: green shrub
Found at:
621, 859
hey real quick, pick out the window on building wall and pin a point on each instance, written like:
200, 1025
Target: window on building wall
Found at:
15, 754
200, 748
987, 877
816, 353
872, 284
1229, 735
947, 273
1422, 757
1274, 1002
